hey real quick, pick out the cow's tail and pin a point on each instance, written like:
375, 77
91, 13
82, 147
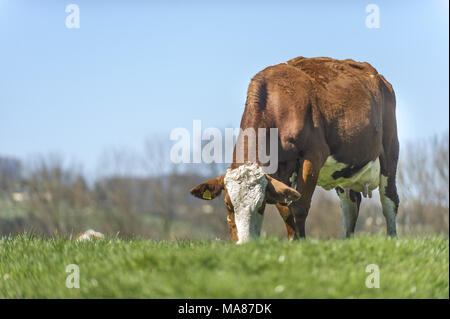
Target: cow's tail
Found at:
257, 93
254, 113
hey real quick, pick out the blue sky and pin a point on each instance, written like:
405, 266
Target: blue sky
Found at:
135, 69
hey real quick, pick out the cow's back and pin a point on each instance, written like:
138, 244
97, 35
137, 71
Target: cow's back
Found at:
347, 97
350, 101
336, 105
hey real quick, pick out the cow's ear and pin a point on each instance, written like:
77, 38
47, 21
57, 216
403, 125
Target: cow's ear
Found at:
209, 189
278, 192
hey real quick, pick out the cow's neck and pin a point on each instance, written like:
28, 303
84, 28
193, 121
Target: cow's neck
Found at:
248, 142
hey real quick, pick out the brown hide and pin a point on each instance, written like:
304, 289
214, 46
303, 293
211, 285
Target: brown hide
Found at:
321, 107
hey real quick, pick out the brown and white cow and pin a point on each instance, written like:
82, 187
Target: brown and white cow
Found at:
337, 129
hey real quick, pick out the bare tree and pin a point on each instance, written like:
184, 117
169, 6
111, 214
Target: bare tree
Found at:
424, 183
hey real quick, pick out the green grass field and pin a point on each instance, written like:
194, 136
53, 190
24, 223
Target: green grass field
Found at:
31, 267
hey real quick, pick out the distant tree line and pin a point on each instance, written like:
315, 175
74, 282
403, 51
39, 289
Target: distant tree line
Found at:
47, 197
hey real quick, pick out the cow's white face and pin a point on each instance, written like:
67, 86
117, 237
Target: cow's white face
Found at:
247, 191
246, 186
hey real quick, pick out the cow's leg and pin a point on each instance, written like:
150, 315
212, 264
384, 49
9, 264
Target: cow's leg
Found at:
350, 210
388, 163
389, 202
388, 168
306, 184
288, 219
388, 188
389, 199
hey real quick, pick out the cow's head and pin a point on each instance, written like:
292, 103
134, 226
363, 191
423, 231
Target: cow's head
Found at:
247, 189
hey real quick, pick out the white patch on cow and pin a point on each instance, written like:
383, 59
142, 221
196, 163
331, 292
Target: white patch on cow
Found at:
389, 209
246, 186
368, 175
293, 180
